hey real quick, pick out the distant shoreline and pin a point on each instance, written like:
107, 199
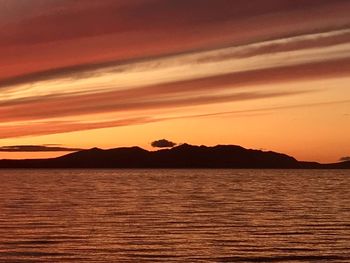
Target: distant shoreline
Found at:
184, 156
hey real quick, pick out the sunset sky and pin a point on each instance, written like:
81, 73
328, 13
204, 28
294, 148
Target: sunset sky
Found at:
263, 74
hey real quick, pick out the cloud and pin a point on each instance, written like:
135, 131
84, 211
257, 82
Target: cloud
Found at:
37, 148
163, 143
78, 30
91, 19
345, 159
197, 59
116, 103
55, 127
174, 81
218, 52
260, 111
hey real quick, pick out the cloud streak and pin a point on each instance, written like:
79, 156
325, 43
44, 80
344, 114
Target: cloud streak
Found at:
55, 127
90, 105
309, 48
37, 148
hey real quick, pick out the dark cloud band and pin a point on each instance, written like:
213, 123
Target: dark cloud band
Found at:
37, 148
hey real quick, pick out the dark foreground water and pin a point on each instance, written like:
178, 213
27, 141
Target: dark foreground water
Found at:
174, 216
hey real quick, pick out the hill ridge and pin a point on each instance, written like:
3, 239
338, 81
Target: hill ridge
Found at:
182, 156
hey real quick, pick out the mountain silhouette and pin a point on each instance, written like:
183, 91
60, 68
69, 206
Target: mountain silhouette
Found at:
182, 156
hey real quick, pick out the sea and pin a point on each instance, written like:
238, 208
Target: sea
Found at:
174, 216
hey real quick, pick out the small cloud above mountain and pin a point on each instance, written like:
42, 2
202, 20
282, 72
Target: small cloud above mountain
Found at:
37, 148
345, 159
163, 143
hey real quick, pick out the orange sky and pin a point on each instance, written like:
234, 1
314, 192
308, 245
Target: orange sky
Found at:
270, 74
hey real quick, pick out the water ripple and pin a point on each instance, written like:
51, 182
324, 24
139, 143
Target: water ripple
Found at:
174, 216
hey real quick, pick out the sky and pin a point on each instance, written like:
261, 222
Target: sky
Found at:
271, 75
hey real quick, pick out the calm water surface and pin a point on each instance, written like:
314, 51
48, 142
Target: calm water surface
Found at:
174, 216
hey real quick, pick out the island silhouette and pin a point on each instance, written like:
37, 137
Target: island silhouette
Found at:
182, 156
